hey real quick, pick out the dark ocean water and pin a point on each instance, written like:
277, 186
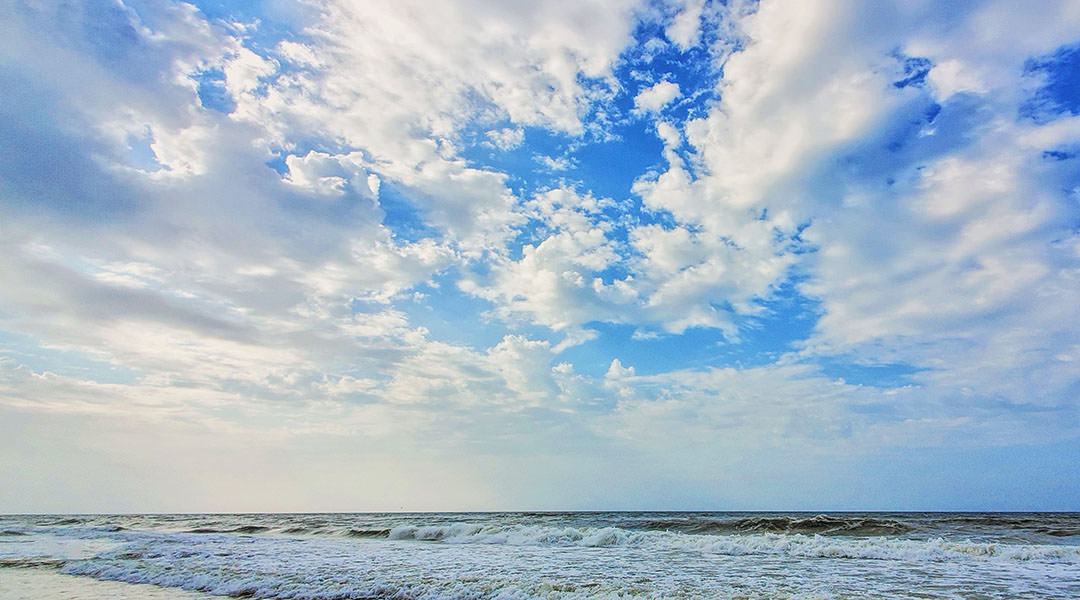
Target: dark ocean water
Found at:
564, 555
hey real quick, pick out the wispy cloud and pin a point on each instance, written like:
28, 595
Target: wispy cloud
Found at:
426, 236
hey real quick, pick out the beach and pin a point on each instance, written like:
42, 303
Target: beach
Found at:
37, 583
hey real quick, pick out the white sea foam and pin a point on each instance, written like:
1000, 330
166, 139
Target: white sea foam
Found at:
576, 557
800, 545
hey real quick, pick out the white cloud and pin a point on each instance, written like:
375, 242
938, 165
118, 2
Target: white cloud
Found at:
216, 296
507, 138
940, 252
656, 97
446, 402
244, 73
952, 77
213, 275
331, 175
685, 28
451, 64
561, 163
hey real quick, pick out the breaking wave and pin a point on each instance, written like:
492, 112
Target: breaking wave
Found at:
368, 533
790, 544
328, 570
818, 524
561, 556
1064, 525
295, 530
68, 521
246, 529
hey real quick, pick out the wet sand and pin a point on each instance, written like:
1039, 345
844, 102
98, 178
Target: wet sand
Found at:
49, 584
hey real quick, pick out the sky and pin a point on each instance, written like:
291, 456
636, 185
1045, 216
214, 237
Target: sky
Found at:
353, 255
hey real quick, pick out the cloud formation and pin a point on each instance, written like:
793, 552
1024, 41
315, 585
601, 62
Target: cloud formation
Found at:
474, 240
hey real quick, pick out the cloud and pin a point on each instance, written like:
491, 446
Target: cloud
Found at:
257, 269
331, 175
937, 228
561, 163
711, 270
919, 218
684, 29
952, 77
507, 138
553, 282
533, 66
655, 98
250, 302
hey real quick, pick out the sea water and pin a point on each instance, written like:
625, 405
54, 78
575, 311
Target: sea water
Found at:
560, 555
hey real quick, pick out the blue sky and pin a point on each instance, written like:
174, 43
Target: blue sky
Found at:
334, 255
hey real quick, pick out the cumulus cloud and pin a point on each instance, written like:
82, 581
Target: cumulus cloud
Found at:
712, 269
560, 163
924, 234
452, 65
507, 138
655, 98
237, 250
923, 218
684, 29
261, 263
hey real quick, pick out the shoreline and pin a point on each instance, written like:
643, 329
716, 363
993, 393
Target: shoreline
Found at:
35, 583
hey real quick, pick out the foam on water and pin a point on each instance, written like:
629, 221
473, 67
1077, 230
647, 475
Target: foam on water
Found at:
565, 556
776, 544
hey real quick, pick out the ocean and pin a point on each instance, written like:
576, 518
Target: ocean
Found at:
576, 555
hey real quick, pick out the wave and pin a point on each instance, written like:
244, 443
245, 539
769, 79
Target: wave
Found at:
368, 533
791, 544
248, 529
935, 550
36, 562
1000, 527
70, 521
10, 533
869, 537
298, 569
295, 530
316, 587
488, 560
818, 524
1057, 525
1058, 532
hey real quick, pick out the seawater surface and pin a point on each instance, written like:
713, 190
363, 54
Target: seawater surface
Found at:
562, 555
